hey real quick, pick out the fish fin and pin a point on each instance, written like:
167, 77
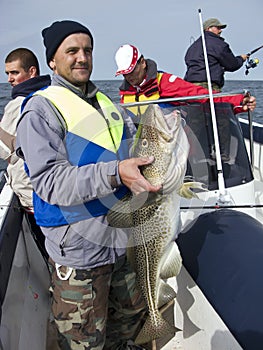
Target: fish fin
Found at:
144, 199
120, 214
165, 294
187, 189
154, 329
171, 262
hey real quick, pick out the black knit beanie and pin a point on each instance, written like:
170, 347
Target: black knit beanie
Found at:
57, 32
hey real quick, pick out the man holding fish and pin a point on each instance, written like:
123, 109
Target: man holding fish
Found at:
76, 152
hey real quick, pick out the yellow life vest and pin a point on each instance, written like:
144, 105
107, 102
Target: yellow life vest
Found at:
87, 140
84, 120
138, 110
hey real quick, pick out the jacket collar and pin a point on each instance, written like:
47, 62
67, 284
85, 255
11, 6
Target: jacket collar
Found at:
31, 85
213, 35
91, 88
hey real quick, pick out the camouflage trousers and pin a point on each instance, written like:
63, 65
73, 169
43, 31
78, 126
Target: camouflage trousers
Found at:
96, 309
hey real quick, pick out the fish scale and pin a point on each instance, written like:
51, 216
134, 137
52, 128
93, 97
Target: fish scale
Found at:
155, 222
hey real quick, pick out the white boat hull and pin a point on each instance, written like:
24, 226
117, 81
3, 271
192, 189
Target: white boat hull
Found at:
25, 310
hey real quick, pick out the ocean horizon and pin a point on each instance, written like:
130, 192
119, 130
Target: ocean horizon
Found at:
111, 89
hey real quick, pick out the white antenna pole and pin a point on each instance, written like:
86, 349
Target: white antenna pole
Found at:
221, 182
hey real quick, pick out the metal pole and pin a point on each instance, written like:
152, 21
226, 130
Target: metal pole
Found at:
221, 182
180, 99
251, 139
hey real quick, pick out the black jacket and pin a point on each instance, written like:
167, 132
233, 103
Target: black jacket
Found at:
220, 58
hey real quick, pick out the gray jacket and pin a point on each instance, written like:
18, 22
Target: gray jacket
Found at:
88, 243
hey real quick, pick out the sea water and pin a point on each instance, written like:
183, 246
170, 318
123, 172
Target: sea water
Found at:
111, 88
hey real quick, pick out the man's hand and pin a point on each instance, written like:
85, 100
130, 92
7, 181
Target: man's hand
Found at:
249, 102
244, 56
132, 178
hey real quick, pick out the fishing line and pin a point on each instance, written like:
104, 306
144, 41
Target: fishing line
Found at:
221, 182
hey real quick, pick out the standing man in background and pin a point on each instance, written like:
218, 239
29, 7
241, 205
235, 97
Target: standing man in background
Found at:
220, 57
22, 69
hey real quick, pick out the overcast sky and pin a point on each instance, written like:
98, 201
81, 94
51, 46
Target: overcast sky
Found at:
162, 30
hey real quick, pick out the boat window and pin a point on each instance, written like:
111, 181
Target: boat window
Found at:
202, 160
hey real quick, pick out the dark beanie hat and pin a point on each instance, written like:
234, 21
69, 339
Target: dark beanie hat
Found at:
57, 32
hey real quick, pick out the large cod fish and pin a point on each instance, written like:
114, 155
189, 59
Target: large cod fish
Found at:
154, 217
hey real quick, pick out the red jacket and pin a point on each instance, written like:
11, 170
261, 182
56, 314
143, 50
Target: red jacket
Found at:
171, 86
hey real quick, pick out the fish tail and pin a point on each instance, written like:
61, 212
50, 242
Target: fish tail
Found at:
154, 329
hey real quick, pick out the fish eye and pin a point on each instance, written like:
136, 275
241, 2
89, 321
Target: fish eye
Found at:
144, 143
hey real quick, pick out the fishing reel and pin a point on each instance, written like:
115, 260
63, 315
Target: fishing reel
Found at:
251, 63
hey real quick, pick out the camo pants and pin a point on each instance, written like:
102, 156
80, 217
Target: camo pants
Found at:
99, 308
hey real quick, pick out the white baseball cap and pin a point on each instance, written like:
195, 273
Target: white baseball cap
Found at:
126, 59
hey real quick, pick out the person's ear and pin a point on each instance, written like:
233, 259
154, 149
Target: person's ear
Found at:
143, 62
52, 64
32, 71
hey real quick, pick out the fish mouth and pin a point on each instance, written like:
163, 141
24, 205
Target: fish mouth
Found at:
168, 124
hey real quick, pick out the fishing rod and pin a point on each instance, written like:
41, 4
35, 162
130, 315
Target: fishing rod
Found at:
255, 50
180, 99
252, 63
251, 136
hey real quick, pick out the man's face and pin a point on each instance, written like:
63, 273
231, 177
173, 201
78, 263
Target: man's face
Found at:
136, 77
216, 30
16, 74
73, 59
